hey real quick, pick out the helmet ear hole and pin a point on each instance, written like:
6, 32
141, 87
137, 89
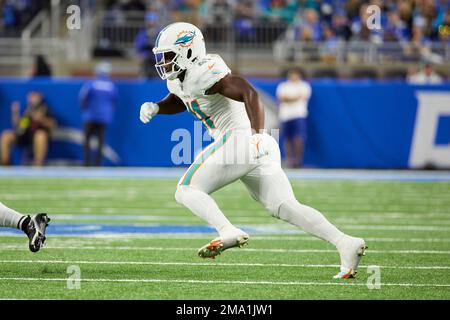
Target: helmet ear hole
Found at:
189, 53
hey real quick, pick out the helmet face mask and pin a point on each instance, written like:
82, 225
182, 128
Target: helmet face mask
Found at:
167, 68
177, 47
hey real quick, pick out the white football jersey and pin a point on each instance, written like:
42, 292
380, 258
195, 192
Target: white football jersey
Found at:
217, 113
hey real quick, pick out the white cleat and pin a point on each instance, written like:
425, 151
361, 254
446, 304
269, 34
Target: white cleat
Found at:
351, 250
236, 238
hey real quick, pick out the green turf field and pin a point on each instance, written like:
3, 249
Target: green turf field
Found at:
406, 226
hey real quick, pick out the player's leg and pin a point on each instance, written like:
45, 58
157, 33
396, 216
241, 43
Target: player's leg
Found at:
10, 218
7, 139
269, 185
288, 142
213, 169
87, 143
34, 227
40, 146
100, 129
299, 141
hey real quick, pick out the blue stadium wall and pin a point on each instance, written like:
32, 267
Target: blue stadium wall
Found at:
351, 125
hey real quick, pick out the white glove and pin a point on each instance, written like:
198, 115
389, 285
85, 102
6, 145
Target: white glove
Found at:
259, 144
148, 111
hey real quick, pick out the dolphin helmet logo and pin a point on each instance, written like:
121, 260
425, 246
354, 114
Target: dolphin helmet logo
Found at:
185, 38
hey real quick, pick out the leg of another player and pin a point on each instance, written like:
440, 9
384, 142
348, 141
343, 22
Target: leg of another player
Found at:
34, 227
7, 139
10, 218
40, 147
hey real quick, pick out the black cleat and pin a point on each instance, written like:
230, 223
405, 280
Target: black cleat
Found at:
36, 231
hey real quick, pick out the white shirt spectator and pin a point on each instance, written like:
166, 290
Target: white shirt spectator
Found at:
424, 78
298, 94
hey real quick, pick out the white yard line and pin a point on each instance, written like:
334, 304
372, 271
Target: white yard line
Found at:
214, 264
110, 238
264, 250
193, 281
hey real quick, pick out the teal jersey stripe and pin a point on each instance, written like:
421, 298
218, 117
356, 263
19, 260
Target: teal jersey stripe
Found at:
203, 157
195, 105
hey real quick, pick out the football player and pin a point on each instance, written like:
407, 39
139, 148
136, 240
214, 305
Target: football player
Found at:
33, 226
230, 109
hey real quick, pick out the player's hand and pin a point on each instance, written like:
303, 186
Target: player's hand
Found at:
259, 144
148, 111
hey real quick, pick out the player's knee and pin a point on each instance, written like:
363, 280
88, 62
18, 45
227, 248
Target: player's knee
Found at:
181, 194
274, 206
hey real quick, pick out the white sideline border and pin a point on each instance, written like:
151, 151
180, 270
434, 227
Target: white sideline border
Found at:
175, 173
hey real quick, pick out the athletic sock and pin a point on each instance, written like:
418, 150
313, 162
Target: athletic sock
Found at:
203, 206
11, 218
309, 220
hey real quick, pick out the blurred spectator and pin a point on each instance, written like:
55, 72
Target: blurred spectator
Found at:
218, 17
98, 99
31, 130
329, 49
133, 5
396, 28
187, 11
294, 95
281, 10
425, 76
340, 26
40, 67
144, 43
244, 22
308, 26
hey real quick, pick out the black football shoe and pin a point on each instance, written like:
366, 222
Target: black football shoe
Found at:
36, 231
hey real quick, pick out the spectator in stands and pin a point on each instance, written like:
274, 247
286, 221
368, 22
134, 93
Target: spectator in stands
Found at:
218, 17
144, 43
340, 26
40, 68
244, 21
425, 76
133, 5
294, 95
31, 130
98, 99
330, 47
9, 19
308, 26
396, 28
188, 11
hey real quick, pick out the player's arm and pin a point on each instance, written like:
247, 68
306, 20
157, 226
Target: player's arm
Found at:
237, 88
287, 98
171, 104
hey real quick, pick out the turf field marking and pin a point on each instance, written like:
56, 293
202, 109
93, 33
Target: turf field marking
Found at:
192, 281
120, 248
175, 173
218, 264
93, 239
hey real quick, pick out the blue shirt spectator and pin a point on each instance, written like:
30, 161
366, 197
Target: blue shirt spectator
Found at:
98, 97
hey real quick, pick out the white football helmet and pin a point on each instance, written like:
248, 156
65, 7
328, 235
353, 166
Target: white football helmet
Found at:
187, 43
